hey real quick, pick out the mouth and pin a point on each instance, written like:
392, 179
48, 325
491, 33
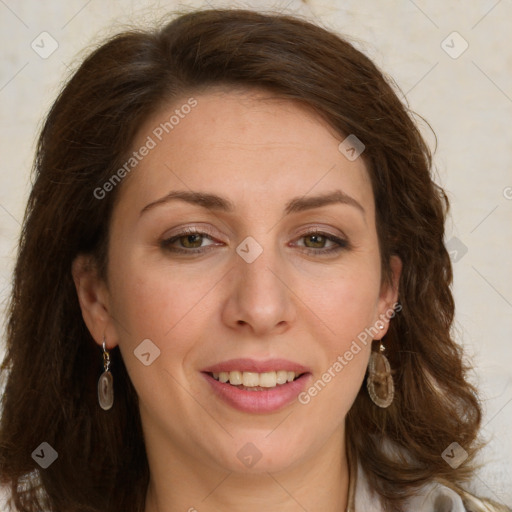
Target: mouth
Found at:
257, 387
254, 381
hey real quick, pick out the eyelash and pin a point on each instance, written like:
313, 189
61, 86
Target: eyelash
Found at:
341, 244
166, 244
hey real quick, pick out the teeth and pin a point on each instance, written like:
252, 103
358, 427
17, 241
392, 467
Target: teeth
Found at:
268, 380
253, 379
235, 378
249, 379
281, 377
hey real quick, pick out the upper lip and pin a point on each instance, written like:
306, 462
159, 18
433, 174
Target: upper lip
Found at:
252, 365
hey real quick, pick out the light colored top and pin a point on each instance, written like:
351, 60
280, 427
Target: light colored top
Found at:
433, 497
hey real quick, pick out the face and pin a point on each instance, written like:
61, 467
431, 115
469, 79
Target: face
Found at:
244, 247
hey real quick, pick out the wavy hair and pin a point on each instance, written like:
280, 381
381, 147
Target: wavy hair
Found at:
52, 363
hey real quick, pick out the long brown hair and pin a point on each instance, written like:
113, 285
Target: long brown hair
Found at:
52, 363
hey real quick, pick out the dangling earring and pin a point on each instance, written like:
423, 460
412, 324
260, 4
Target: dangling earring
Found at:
106, 383
380, 381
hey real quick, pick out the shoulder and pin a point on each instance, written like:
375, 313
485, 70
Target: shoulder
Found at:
436, 497
432, 497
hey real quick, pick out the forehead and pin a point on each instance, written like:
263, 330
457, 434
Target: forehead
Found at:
246, 144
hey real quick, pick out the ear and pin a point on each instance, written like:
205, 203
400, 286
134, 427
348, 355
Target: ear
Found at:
93, 297
388, 296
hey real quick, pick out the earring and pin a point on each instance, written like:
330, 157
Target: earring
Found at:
380, 381
106, 382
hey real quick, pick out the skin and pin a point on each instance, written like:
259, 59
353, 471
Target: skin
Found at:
200, 309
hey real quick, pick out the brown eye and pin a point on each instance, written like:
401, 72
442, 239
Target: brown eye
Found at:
315, 241
191, 241
319, 243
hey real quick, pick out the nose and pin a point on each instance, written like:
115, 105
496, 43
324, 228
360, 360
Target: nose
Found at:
259, 299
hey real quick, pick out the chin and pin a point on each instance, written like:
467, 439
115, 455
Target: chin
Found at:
261, 452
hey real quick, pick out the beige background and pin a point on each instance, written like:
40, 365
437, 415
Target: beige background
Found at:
465, 96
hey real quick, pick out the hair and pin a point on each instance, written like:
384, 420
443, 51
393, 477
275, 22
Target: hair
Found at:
52, 363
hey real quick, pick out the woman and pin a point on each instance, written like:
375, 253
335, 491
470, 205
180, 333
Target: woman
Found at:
232, 291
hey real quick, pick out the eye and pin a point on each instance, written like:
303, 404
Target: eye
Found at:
318, 242
315, 240
188, 241
191, 241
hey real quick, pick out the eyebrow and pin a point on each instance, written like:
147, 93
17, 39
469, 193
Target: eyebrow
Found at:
218, 203
300, 204
207, 201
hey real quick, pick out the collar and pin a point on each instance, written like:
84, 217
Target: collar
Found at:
431, 497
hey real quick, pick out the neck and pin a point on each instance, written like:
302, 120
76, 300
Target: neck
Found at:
179, 484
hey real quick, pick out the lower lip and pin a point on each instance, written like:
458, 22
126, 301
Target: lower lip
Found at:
266, 401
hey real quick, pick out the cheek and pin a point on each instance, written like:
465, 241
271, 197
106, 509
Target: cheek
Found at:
347, 303
157, 303
347, 309
349, 312
156, 299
